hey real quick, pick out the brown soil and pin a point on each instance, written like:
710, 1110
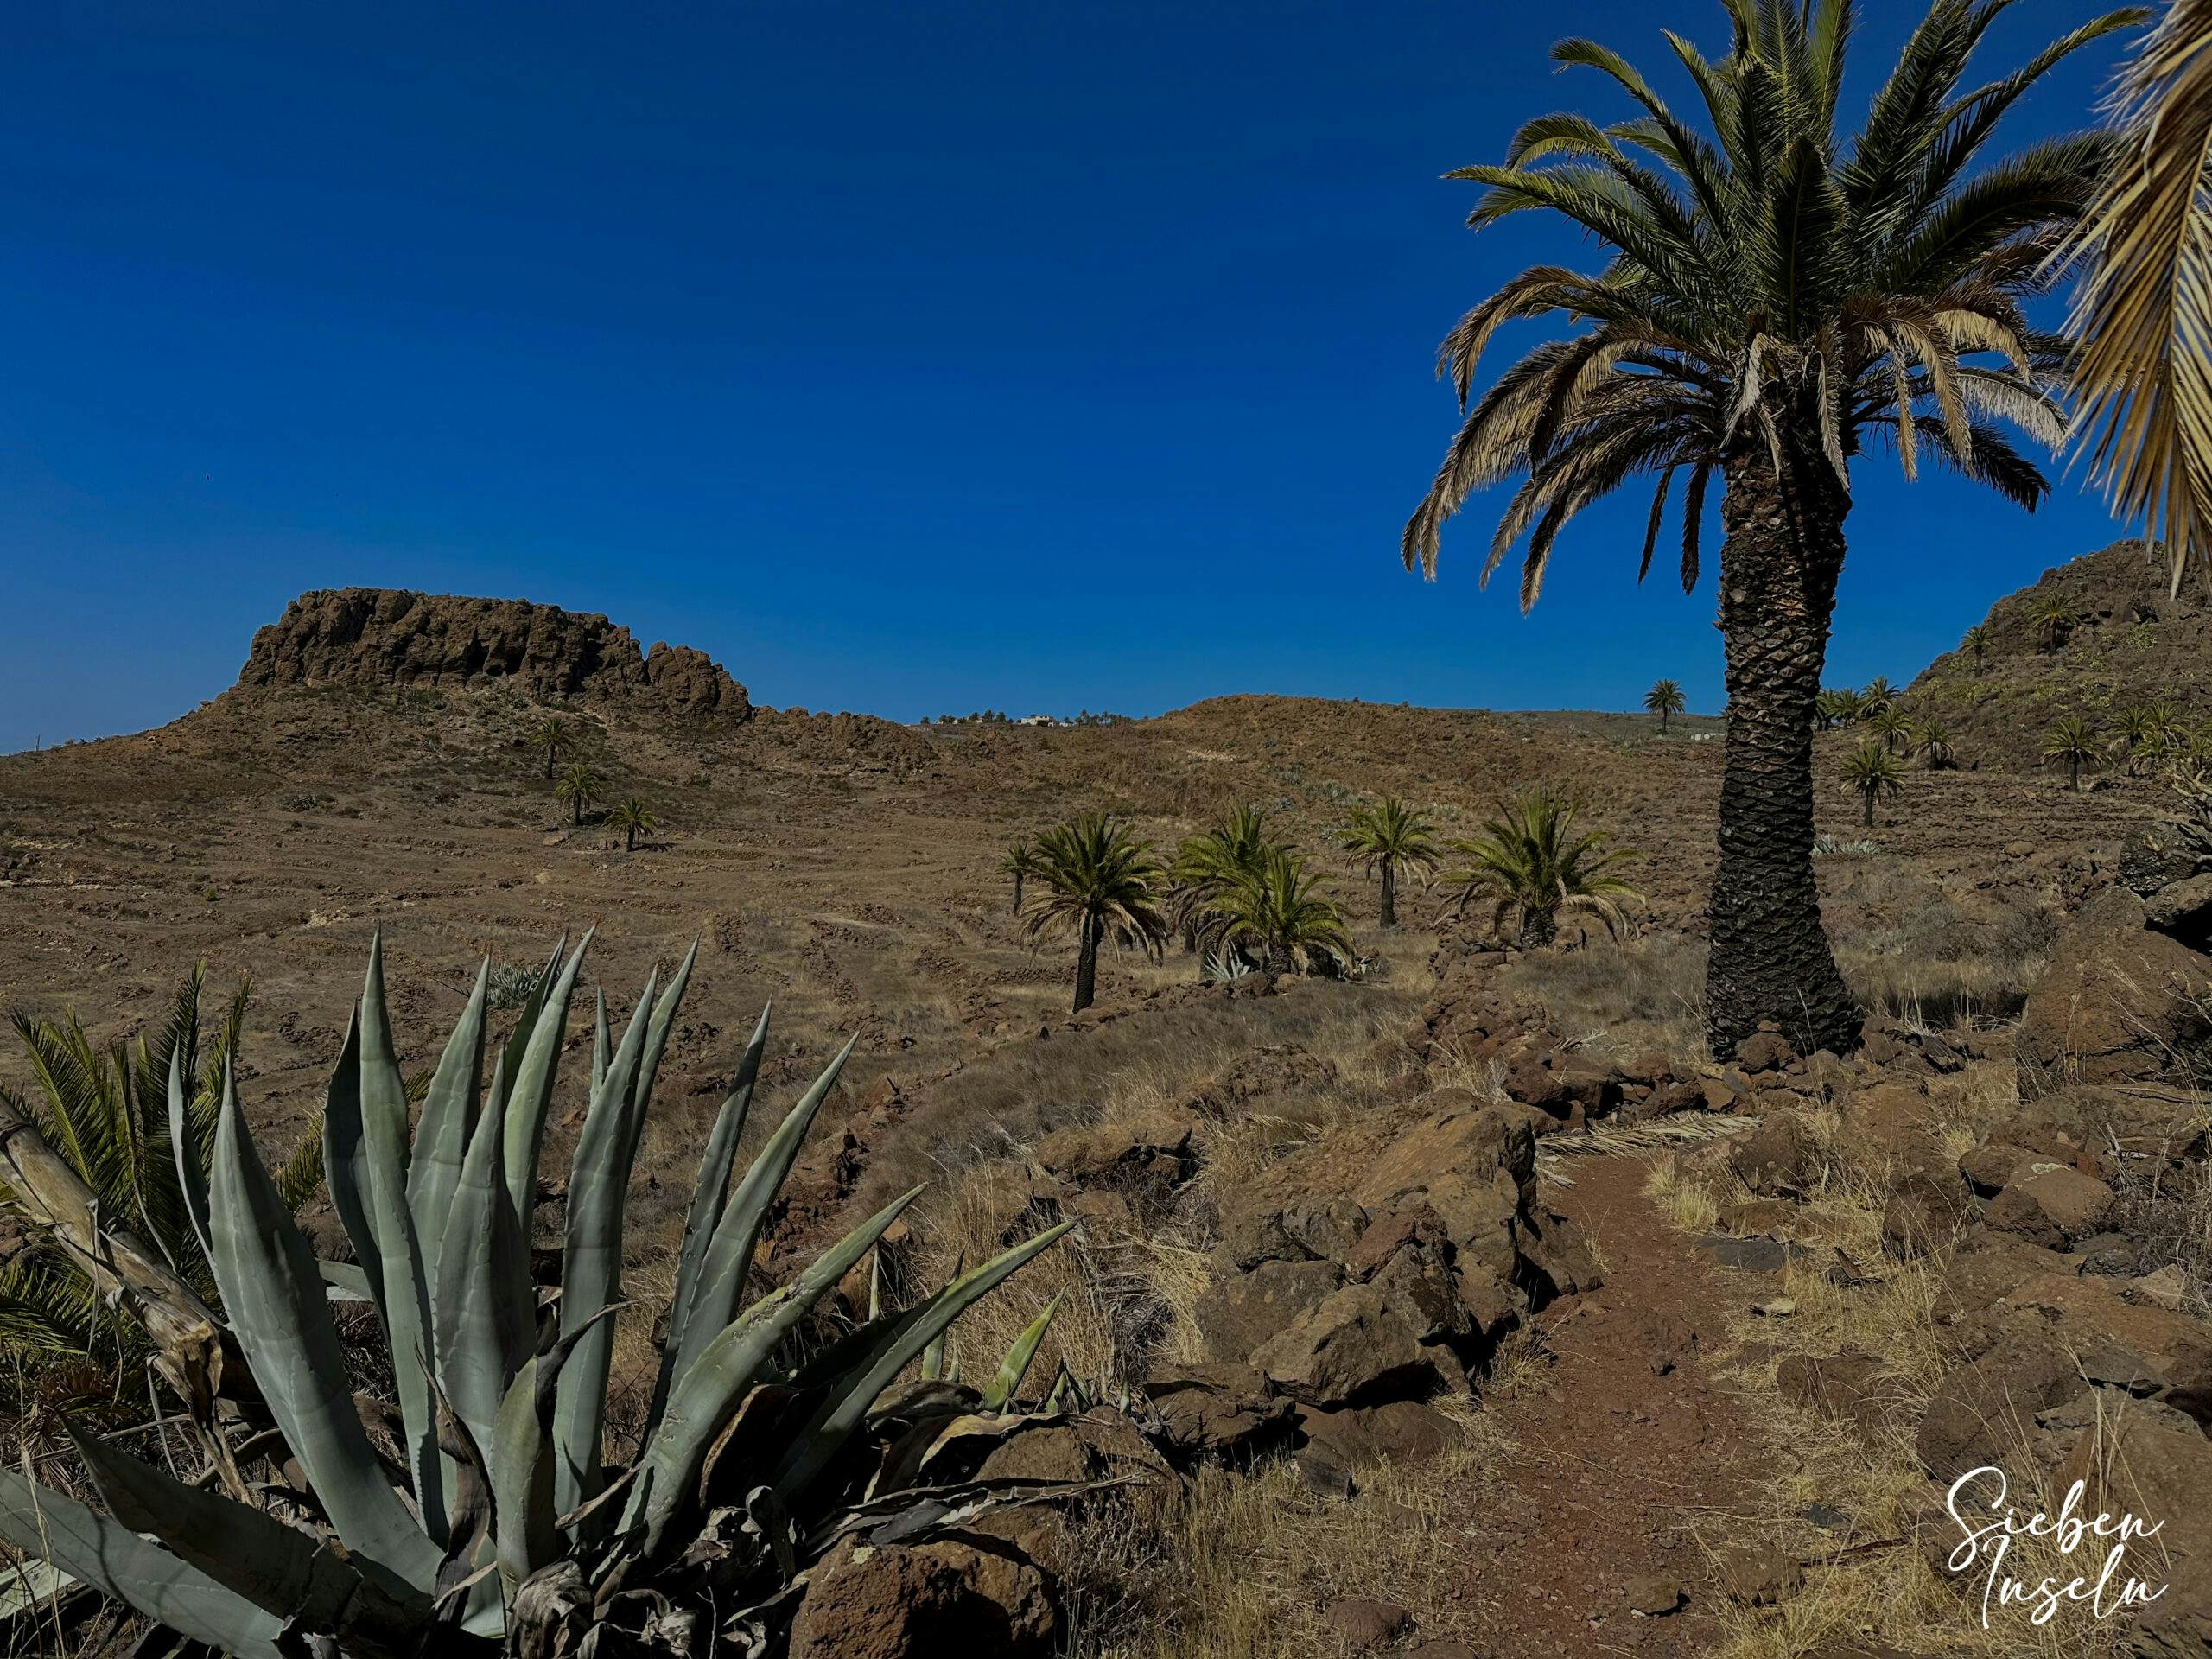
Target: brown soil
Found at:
1618, 1473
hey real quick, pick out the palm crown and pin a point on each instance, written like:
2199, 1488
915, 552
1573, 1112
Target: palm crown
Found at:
1772, 285
1272, 906
1529, 859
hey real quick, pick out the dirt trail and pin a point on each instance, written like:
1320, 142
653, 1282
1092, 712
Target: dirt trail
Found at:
1618, 1470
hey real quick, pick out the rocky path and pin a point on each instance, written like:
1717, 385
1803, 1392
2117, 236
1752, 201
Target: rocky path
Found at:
1629, 1454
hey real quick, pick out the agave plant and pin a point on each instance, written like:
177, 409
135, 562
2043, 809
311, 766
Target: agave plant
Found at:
505, 1529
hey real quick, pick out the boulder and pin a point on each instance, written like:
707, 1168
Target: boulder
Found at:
1397, 1430
2183, 911
2118, 1004
2160, 1474
1357, 1346
1984, 1412
1144, 1159
1240, 1312
1364, 1626
1779, 1157
954, 1595
1218, 1412
2051, 1205
1849, 1386
1988, 1168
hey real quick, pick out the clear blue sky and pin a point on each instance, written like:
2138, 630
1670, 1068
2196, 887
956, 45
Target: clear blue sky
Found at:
907, 358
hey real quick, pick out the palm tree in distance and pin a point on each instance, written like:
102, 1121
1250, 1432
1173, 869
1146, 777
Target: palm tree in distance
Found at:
1895, 727
1207, 862
555, 738
579, 786
634, 819
1777, 296
1878, 699
2073, 740
1021, 863
2054, 620
1272, 907
1528, 861
1100, 881
1976, 640
1664, 700
2143, 310
1931, 742
1871, 773
1837, 708
1387, 837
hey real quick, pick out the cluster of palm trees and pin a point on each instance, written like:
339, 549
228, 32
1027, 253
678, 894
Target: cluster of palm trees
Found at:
580, 785
1776, 296
1244, 898
1874, 770
2144, 735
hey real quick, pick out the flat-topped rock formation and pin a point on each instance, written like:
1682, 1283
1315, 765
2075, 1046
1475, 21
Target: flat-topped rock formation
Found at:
389, 637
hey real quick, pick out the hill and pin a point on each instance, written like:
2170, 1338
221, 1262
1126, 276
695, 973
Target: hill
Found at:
2130, 643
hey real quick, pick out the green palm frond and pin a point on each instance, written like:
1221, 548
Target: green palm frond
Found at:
1531, 860
1391, 830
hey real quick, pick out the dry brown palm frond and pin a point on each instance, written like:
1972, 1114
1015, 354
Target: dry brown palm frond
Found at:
1633, 1140
2143, 311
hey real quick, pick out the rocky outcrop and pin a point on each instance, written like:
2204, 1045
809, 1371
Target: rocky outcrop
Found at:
384, 637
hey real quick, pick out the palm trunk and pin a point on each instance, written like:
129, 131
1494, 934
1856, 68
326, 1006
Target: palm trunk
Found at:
576, 811
1870, 811
1017, 893
1086, 965
1770, 958
630, 839
549, 761
1662, 722
1539, 927
1389, 893
2074, 773
1280, 960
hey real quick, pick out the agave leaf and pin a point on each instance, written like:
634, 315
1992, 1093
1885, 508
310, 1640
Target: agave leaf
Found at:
403, 1293
511, 1052
657, 1045
530, 1088
344, 1169
277, 1310
591, 1266
1016, 1364
191, 1168
711, 1388
707, 1199
280, 1569
523, 1458
729, 1258
933, 1359
853, 1391
343, 1281
124, 1566
486, 1306
448, 1118
601, 1050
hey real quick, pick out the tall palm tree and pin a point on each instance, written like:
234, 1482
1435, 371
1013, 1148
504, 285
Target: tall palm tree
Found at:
1664, 700
1529, 861
1776, 296
1387, 837
555, 738
579, 786
1021, 863
2073, 740
634, 819
1100, 881
1976, 640
2143, 310
1871, 773
1272, 907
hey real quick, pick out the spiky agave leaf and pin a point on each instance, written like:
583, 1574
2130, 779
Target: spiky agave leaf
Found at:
447, 1123
524, 1459
486, 1306
530, 1085
1019, 1358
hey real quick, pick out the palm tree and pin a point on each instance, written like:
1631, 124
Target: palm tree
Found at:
1878, 698
1836, 707
1664, 700
1272, 907
1931, 740
1206, 863
2143, 310
2073, 740
1776, 297
555, 738
1976, 640
2054, 618
1530, 859
113, 1269
1021, 863
633, 818
2137, 737
1895, 727
2168, 726
1099, 879
580, 786
1871, 773
1387, 837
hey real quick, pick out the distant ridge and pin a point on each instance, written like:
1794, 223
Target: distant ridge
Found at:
383, 637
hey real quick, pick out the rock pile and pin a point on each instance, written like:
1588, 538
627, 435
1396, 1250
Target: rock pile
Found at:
383, 637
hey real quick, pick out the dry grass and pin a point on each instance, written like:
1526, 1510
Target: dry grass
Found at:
1644, 996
